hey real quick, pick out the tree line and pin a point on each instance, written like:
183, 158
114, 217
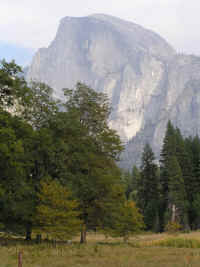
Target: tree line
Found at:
58, 171
168, 192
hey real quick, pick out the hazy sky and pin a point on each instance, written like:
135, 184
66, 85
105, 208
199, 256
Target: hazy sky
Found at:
26, 25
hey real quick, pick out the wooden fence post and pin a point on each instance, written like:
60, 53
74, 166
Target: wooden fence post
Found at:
20, 259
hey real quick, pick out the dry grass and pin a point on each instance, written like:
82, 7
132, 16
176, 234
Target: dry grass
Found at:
141, 251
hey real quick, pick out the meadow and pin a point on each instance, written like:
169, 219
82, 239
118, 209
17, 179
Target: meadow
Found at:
152, 250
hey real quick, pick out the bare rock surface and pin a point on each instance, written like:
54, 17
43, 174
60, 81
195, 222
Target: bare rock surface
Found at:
147, 82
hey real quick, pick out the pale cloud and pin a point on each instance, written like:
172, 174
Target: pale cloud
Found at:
33, 23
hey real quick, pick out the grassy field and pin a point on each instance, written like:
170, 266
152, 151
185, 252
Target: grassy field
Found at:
152, 250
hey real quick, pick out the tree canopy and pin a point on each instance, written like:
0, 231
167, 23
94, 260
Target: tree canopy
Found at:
57, 160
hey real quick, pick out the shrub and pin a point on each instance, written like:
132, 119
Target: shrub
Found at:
172, 227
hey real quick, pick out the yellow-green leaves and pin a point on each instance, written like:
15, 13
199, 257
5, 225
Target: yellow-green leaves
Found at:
57, 211
127, 221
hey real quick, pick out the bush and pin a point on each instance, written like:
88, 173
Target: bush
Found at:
172, 227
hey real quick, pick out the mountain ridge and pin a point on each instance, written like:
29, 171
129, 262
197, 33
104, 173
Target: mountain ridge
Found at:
140, 72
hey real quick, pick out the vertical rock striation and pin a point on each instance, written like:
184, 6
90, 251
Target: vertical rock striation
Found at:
145, 80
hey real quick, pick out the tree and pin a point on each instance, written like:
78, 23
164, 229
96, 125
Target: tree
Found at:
41, 107
128, 182
148, 190
57, 210
177, 201
15, 165
173, 156
29, 148
168, 150
89, 107
127, 221
134, 184
192, 145
196, 211
185, 161
92, 110
13, 88
91, 163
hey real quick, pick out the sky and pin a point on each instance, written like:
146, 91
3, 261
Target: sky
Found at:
26, 25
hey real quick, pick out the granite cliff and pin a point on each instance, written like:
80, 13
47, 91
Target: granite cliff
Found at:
147, 82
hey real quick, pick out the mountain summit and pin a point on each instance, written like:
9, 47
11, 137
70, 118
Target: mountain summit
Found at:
147, 82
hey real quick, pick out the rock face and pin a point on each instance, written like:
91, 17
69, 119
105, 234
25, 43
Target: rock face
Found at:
145, 80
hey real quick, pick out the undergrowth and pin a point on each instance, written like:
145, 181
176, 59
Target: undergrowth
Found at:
177, 242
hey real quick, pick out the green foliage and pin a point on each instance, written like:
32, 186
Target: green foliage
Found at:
17, 199
13, 88
128, 182
177, 194
151, 216
172, 227
128, 221
133, 185
41, 107
91, 108
173, 185
72, 143
168, 150
75, 147
148, 190
196, 210
95, 147
57, 211
136, 176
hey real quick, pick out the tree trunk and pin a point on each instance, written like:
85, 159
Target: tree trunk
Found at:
83, 235
156, 224
173, 219
125, 238
38, 239
28, 232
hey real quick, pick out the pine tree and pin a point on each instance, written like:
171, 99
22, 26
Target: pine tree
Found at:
195, 148
168, 150
185, 161
193, 186
128, 182
196, 211
127, 221
177, 202
172, 181
148, 190
57, 211
136, 176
